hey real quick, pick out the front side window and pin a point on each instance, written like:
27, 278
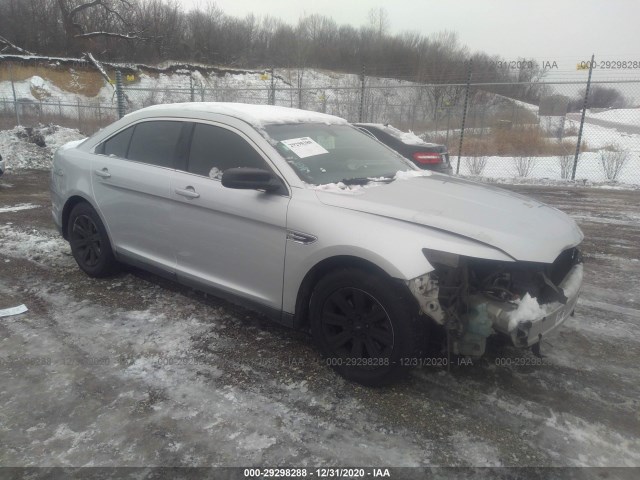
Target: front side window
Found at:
215, 149
156, 142
322, 154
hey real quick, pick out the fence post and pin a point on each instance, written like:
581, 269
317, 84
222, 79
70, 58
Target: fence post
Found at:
16, 107
361, 109
79, 115
272, 88
300, 75
464, 116
584, 111
120, 94
191, 89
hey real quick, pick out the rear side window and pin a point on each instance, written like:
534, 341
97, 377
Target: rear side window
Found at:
215, 149
118, 144
155, 142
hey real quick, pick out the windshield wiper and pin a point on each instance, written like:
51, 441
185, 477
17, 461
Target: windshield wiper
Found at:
365, 180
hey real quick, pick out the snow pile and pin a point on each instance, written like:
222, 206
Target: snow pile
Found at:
528, 309
21, 147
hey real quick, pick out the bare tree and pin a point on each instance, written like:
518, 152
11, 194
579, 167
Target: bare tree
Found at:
379, 21
115, 15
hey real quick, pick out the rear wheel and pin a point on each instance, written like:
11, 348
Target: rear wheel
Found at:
366, 326
89, 242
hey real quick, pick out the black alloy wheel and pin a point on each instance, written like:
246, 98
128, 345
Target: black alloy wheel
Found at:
366, 325
89, 242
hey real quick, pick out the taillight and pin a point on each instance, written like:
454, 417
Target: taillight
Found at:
427, 157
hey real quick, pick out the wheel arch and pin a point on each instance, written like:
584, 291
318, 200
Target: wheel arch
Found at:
69, 204
320, 269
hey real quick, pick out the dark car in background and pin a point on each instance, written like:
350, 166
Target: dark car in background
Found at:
428, 156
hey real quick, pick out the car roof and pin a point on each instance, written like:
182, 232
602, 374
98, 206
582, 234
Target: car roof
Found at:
407, 138
257, 115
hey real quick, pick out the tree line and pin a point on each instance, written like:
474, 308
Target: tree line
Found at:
152, 31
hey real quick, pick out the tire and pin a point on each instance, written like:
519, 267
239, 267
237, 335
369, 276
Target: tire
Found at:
366, 326
89, 242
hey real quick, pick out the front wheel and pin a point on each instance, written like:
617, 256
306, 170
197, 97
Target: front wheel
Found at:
89, 242
366, 326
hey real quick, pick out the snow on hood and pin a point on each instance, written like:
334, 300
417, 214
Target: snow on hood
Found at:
522, 227
341, 187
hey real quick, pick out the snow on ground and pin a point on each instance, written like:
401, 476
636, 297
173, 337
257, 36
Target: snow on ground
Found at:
18, 207
19, 151
133, 370
589, 170
41, 247
620, 116
597, 137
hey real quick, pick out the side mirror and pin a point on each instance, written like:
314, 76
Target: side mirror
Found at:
250, 179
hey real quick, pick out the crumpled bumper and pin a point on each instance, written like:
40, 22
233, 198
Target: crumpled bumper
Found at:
528, 331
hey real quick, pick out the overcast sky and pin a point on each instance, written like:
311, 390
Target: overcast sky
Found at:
563, 30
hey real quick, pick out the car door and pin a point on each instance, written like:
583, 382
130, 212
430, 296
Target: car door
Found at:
131, 177
232, 240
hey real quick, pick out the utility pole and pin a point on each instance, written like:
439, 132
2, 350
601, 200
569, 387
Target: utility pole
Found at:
584, 111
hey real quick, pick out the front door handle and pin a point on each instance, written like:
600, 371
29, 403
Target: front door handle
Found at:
104, 173
188, 192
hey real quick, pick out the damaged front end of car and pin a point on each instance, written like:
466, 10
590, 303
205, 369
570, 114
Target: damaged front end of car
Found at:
475, 298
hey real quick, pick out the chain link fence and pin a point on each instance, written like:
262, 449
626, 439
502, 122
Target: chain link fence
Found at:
488, 133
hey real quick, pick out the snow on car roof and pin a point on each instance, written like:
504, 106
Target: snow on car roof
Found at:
409, 137
257, 115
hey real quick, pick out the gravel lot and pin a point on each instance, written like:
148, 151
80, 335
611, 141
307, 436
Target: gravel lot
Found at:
136, 371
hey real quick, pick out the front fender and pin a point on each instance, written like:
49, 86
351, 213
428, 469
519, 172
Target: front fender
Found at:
394, 246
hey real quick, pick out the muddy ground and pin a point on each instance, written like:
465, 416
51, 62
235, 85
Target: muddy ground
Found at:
136, 371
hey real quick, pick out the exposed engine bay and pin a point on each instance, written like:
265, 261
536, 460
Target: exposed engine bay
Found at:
475, 298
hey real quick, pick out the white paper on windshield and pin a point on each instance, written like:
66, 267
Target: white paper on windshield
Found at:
7, 312
304, 147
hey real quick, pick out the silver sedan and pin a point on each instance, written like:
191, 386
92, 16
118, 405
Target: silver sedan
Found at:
316, 224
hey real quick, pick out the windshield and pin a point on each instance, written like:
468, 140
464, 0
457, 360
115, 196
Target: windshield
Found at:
322, 154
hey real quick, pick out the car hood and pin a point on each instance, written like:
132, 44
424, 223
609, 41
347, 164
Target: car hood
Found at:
521, 227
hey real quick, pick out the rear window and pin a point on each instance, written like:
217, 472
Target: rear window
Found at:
118, 144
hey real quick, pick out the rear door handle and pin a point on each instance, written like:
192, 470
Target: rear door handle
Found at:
188, 192
104, 173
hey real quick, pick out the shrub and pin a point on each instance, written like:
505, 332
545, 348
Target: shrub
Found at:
566, 166
524, 165
613, 160
476, 165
